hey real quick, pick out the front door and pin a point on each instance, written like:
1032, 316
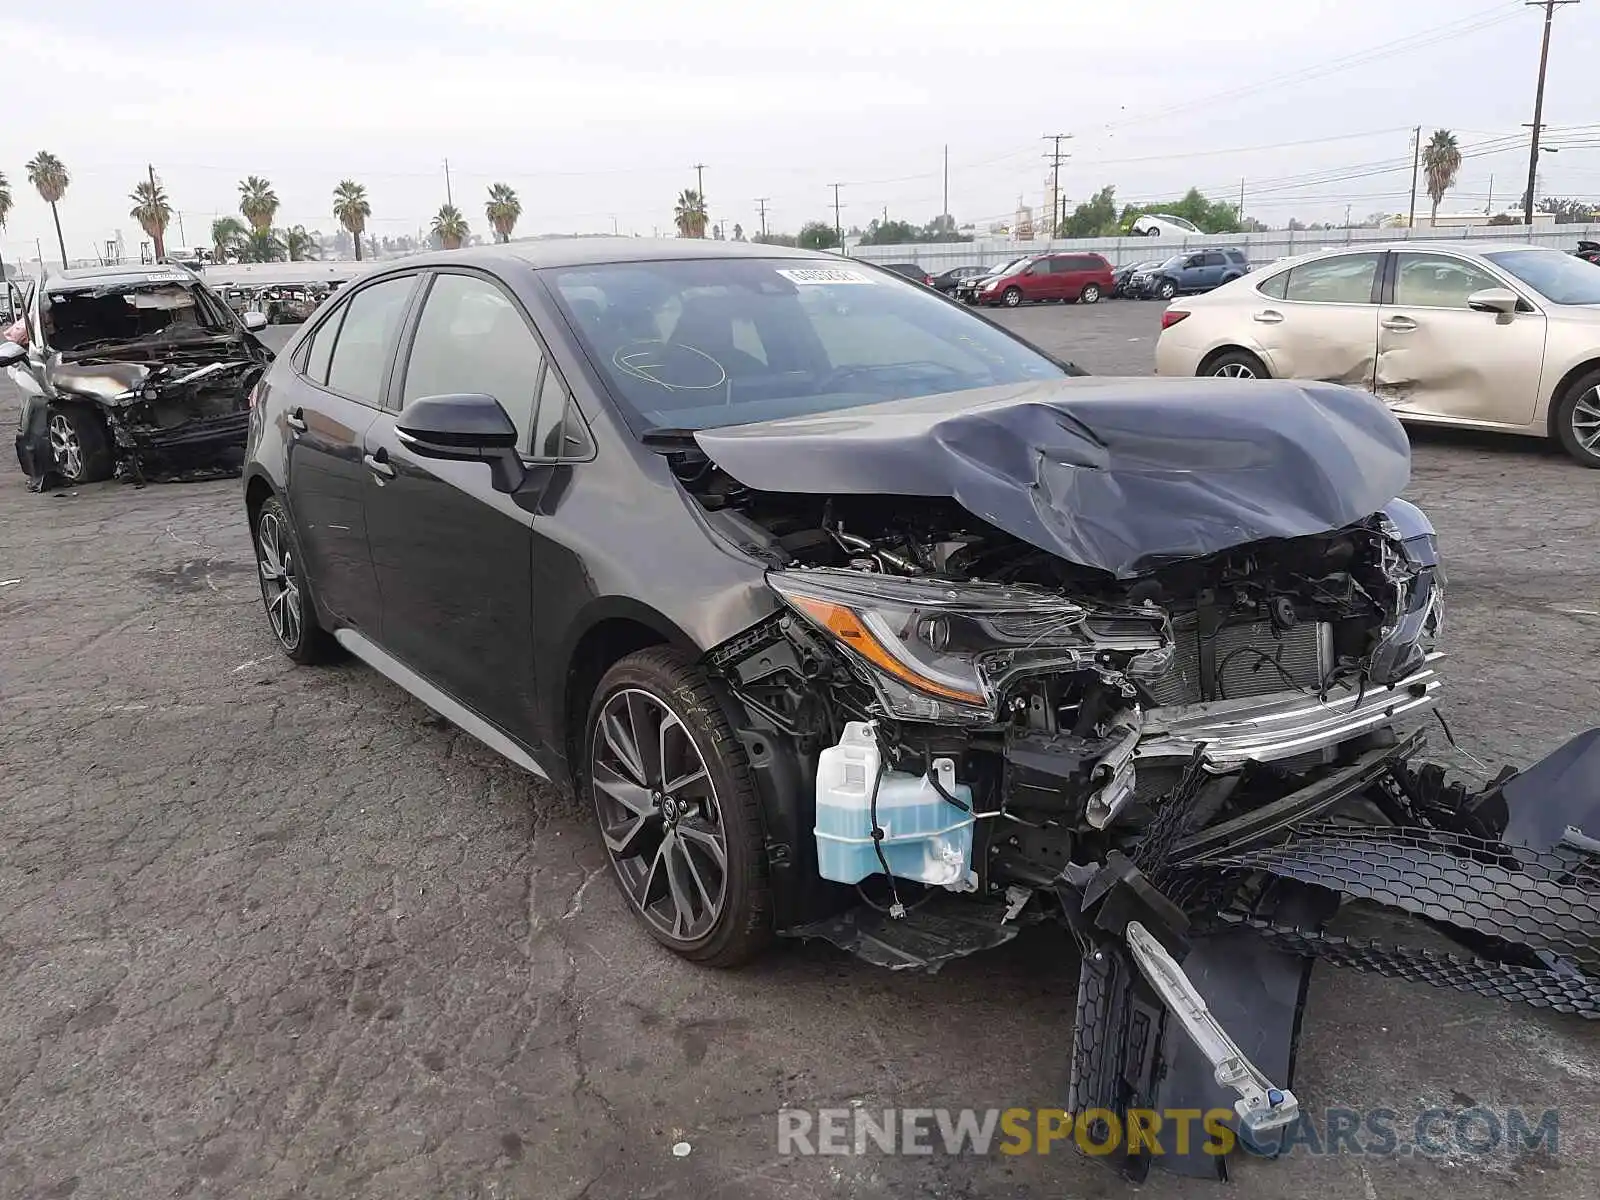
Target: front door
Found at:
452, 554
334, 400
1438, 358
1319, 320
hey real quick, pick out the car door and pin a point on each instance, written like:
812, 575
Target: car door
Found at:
1318, 320
337, 386
452, 554
1035, 280
1440, 359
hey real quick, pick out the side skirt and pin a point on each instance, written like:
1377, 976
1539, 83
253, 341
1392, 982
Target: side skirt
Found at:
397, 673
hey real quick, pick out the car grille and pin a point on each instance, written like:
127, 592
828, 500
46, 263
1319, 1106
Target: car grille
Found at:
1248, 659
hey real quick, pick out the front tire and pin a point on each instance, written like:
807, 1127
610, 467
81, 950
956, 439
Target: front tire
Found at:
285, 590
677, 808
80, 444
1577, 420
1012, 297
1090, 294
1237, 364
1167, 290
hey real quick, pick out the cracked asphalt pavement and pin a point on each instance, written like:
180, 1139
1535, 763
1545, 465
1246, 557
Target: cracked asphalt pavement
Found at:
269, 931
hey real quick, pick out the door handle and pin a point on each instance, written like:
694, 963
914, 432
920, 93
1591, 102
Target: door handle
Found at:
1270, 316
296, 419
378, 464
1399, 324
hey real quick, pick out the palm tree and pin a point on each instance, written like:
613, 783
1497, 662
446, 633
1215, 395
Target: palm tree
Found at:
298, 243
351, 208
1441, 162
258, 202
261, 245
226, 235
47, 173
690, 214
502, 209
153, 211
5, 211
450, 227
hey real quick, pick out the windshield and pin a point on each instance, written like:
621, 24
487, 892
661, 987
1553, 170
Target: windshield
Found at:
1175, 263
111, 315
1016, 264
1557, 277
703, 343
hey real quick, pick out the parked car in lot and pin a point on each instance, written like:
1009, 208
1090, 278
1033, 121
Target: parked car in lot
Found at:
948, 281
1164, 225
1122, 277
911, 271
968, 290
140, 368
1191, 271
852, 616
1072, 275
1504, 338
1589, 252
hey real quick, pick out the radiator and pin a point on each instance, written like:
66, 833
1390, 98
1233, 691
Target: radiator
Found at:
1239, 662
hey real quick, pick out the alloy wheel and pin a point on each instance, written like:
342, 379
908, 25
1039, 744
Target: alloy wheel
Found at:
1235, 370
659, 814
1013, 297
280, 585
1586, 421
1090, 295
65, 446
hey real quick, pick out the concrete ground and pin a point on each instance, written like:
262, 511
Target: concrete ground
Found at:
270, 932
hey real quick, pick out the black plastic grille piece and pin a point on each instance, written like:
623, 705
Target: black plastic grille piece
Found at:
1558, 990
1548, 901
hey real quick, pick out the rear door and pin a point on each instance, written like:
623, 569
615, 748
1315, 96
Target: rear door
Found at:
1439, 358
452, 554
337, 388
1319, 320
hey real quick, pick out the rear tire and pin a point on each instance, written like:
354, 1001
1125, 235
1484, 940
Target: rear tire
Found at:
672, 791
285, 588
1012, 297
1090, 294
1237, 364
80, 443
1577, 420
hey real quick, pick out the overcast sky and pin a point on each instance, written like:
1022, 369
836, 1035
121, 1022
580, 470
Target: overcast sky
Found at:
596, 112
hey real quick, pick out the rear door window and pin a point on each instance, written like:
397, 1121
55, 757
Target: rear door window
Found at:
366, 339
319, 349
1343, 279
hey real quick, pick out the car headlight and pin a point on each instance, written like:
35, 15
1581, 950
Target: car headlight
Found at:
936, 650
991, 285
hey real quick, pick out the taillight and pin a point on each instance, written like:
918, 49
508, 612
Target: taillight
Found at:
1172, 316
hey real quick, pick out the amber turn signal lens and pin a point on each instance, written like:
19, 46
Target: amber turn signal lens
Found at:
847, 627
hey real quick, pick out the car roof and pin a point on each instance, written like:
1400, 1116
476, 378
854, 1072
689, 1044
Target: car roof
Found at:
586, 252
78, 277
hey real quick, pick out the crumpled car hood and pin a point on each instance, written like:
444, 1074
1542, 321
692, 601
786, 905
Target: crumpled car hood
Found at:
102, 380
1121, 475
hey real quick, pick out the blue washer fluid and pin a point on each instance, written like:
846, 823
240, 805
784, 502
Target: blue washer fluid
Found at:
926, 838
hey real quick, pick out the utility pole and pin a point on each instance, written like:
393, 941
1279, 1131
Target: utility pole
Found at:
1416, 157
838, 229
1488, 209
1058, 211
1347, 208
946, 208
1239, 216
161, 241
761, 203
448, 198
1538, 108
700, 181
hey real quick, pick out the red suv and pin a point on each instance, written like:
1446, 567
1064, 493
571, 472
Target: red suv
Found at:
1065, 276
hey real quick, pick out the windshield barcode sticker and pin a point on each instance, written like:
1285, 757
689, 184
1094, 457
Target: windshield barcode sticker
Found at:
824, 275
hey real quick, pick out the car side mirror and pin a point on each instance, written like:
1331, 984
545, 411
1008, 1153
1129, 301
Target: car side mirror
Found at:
11, 353
464, 427
1495, 300
254, 321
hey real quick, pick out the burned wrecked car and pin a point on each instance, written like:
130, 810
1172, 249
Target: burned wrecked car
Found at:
854, 617
140, 370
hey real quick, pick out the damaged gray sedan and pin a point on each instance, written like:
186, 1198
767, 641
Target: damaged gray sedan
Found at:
854, 617
139, 370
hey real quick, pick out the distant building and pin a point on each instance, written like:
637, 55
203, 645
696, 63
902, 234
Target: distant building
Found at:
1468, 220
